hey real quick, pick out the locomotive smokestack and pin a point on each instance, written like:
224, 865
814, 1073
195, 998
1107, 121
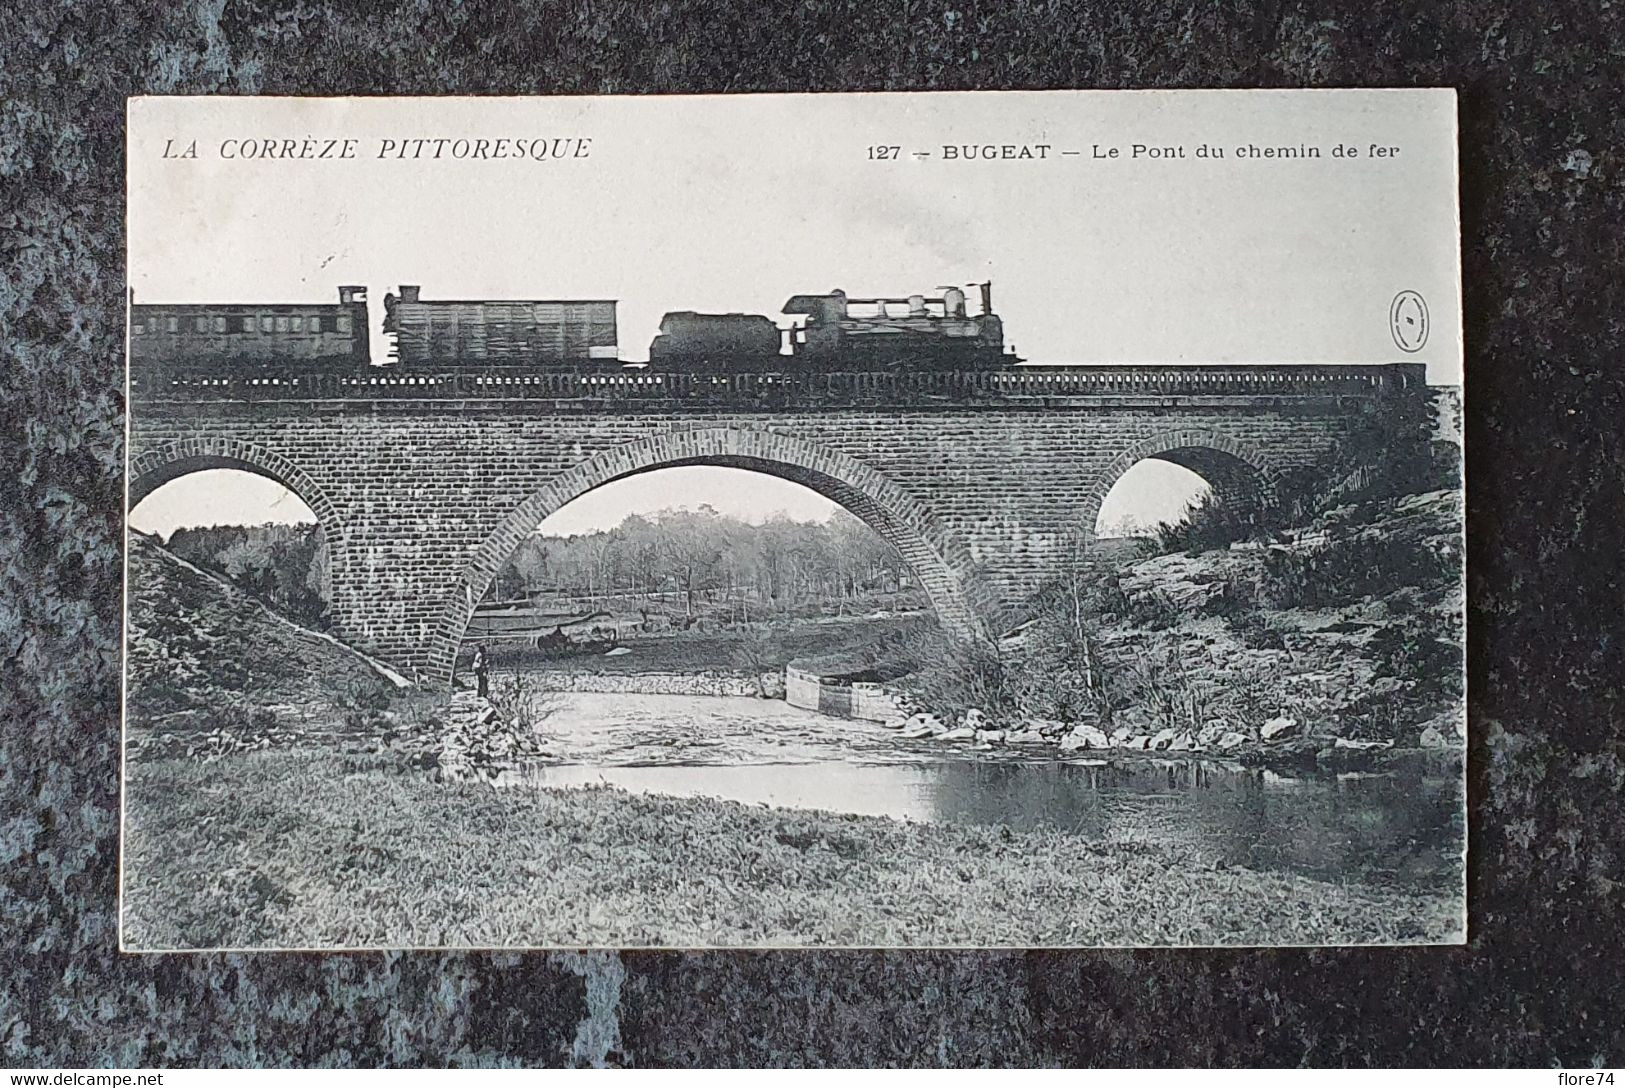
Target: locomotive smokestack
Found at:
987, 297
409, 292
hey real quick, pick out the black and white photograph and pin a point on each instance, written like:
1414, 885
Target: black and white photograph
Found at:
946, 520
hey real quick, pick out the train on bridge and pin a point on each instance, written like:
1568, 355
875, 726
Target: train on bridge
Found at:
231, 338
816, 333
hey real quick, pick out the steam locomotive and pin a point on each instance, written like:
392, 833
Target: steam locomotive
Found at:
834, 332
828, 332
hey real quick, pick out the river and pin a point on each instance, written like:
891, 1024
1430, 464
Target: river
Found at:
1400, 828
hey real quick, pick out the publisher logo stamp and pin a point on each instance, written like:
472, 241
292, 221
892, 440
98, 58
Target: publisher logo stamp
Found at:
1408, 321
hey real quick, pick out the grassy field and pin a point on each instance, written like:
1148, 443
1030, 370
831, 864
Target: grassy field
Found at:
309, 848
719, 651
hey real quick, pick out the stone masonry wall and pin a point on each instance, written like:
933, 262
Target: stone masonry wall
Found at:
863, 701
986, 503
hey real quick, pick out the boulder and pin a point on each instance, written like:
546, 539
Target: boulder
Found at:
1210, 733
1048, 726
1121, 734
990, 736
1137, 743
915, 730
1278, 729
1231, 740
1432, 738
974, 718
1182, 743
1074, 741
1162, 740
1362, 745
961, 733
1024, 736
1090, 737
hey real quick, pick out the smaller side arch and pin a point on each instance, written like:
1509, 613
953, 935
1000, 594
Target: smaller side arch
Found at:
1239, 472
155, 467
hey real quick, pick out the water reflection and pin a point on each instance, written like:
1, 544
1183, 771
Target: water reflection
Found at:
1404, 827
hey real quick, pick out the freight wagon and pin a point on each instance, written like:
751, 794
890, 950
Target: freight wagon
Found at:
442, 334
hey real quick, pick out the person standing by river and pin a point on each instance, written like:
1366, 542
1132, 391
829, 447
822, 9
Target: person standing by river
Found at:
482, 672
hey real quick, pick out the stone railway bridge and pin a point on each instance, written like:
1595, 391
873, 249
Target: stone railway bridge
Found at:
987, 482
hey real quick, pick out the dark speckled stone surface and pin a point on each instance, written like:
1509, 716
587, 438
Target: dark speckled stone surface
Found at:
1543, 208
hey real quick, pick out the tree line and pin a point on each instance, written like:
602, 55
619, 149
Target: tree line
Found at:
700, 559
676, 561
285, 565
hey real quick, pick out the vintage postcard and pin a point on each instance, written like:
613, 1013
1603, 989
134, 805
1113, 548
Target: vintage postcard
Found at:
864, 520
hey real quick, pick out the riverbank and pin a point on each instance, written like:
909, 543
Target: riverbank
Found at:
768, 645
312, 848
1324, 644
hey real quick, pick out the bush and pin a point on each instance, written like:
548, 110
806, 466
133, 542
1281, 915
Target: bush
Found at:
1152, 611
957, 674
1163, 689
886, 657
1415, 655
242, 720
1419, 670
1255, 632
758, 652
1206, 525
1348, 570
1236, 597
1404, 601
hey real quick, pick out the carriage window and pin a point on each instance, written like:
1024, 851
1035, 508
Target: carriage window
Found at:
174, 324
265, 323
219, 324
343, 323
202, 324
137, 328
248, 323
281, 324
296, 323
316, 323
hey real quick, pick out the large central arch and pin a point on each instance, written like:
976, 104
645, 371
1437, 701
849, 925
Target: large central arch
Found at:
944, 567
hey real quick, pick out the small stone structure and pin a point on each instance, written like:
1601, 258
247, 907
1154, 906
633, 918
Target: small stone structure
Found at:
841, 698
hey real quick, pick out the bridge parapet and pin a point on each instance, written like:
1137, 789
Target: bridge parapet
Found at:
644, 389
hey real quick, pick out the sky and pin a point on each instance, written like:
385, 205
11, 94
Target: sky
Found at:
735, 203
1149, 493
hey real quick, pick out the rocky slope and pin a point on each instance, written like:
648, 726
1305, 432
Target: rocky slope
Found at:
1335, 639
210, 667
